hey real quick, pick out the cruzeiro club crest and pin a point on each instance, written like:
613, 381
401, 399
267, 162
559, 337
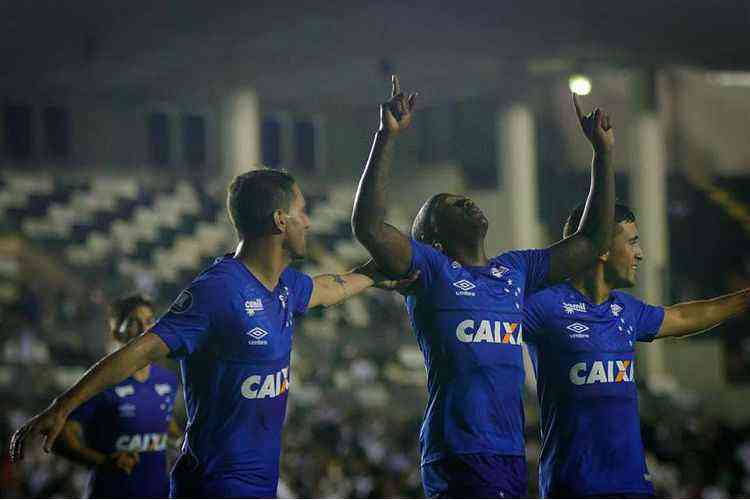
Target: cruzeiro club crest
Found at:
499, 271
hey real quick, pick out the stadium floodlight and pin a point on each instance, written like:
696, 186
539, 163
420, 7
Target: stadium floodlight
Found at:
579, 84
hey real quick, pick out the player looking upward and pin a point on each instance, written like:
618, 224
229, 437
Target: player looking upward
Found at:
121, 433
232, 330
581, 336
467, 310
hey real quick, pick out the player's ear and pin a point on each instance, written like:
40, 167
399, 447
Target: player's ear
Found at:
279, 222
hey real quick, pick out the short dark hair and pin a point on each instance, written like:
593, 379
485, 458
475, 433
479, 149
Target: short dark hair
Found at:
121, 308
254, 196
424, 227
623, 213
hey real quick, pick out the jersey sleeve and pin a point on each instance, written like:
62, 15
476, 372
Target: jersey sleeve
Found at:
426, 260
648, 320
187, 324
300, 289
533, 318
534, 263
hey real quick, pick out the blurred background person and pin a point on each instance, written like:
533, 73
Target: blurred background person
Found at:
122, 433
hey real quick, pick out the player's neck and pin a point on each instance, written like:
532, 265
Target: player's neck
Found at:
142, 374
265, 259
592, 284
473, 255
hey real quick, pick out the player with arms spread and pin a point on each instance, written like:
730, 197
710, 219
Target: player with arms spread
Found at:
232, 330
581, 336
122, 432
467, 310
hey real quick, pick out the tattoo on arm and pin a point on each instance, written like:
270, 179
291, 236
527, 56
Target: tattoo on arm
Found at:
336, 278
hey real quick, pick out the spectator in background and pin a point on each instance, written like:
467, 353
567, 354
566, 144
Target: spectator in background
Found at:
122, 432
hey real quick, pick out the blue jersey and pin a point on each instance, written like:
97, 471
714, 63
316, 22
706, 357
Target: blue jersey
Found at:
584, 355
233, 338
467, 321
131, 416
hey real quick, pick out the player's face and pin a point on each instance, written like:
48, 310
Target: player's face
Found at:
297, 224
462, 218
624, 256
137, 322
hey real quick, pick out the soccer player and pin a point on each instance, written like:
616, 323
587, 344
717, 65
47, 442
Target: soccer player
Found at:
467, 311
232, 330
122, 432
581, 336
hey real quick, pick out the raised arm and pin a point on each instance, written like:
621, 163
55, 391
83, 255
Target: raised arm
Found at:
593, 237
390, 248
689, 318
109, 371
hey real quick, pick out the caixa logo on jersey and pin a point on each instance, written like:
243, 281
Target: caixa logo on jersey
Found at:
613, 371
141, 442
266, 386
495, 332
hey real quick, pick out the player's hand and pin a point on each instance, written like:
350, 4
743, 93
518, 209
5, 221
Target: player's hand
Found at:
384, 282
49, 423
123, 461
404, 286
596, 126
396, 114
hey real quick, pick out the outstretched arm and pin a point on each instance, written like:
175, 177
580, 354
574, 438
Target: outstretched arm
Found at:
390, 248
110, 370
689, 318
593, 237
330, 289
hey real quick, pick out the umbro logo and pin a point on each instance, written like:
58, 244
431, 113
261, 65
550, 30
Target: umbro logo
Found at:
253, 306
464, 286
571, 308
577, 328
126, 410
257, 335
615, 308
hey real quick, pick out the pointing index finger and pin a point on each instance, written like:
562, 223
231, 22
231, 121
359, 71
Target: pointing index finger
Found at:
395, 86
577, 105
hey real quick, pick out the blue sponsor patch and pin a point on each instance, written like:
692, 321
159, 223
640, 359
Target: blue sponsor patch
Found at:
182, 303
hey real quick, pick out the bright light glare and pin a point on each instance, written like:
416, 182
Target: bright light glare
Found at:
730, 78
579, 84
